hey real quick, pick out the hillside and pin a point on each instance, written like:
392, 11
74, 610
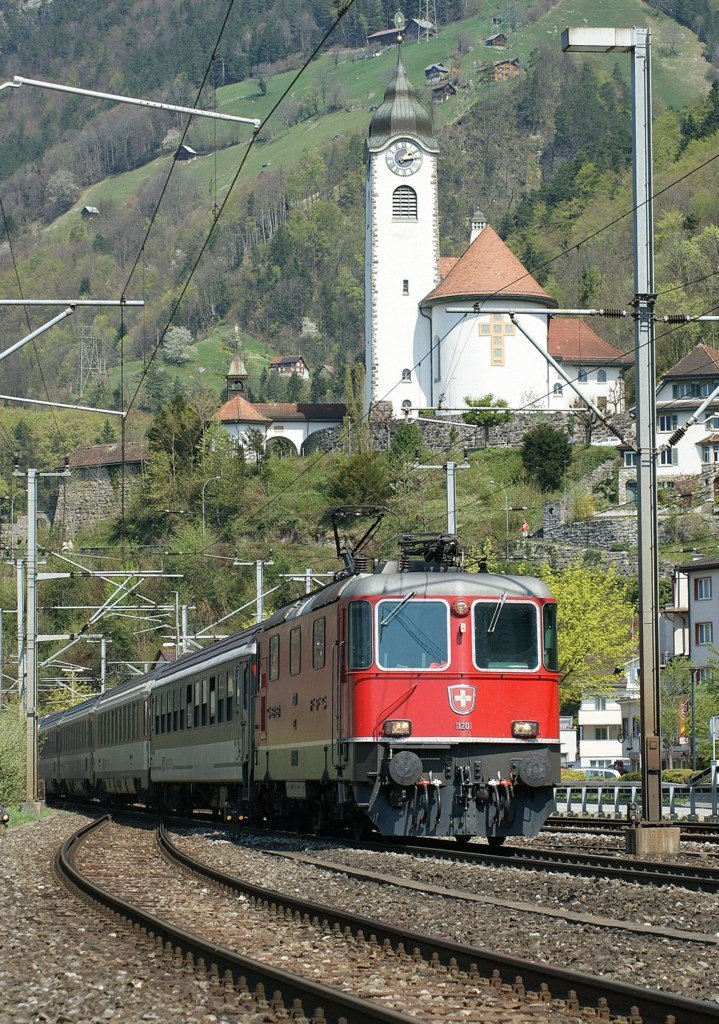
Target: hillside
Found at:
290, 241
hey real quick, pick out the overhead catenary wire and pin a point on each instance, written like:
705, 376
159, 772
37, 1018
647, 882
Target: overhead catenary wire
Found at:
60, 435
343, 8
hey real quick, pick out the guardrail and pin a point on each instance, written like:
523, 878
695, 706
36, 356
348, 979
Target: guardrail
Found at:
610, 799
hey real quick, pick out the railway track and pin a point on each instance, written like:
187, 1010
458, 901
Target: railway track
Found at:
467, 978
646, 872
694, 831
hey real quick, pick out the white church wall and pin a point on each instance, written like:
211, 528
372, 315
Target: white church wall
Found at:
401, 268
520, 371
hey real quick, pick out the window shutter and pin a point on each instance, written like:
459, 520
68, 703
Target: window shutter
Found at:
404, 203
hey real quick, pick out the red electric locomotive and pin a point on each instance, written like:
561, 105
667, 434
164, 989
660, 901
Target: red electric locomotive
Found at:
416, 698
420, 699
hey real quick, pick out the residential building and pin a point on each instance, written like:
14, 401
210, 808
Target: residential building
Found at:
186, 153
443, 92
699, 581
568, 745
287, 365
435, 73
498, 40
601, 730
680, 391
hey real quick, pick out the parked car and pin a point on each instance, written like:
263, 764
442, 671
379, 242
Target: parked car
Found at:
601, 773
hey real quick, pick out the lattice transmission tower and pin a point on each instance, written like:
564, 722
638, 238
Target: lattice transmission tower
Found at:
93, 366
427, 18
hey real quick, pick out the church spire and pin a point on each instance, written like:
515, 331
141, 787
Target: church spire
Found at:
401, 113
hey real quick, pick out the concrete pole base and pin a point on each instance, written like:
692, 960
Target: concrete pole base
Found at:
32, 806
652, 839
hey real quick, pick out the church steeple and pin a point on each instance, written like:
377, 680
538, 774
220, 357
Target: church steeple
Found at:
236, 377
401, 113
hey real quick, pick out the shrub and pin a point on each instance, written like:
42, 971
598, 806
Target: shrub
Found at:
12, 756
546, 454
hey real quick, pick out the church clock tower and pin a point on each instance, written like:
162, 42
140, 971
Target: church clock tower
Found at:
401, 248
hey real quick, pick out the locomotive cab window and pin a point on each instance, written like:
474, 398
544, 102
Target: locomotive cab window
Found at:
505, 636
413, 635
359, 649
549, 624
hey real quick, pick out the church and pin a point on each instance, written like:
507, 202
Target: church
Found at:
438, 329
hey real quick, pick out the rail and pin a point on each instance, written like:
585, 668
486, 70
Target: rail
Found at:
609, 798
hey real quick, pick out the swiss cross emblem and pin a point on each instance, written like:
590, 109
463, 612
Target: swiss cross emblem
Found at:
461, 698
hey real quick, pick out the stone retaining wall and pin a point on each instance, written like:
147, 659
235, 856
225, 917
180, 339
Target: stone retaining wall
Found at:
92, 495
439, 435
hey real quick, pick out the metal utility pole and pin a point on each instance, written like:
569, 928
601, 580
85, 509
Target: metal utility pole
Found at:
30, 645
450, 469
20, 583
637, 42
259, 565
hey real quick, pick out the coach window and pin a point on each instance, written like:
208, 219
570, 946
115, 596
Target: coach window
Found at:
274, 659
175, 710
413, 635
197, 703
213, 700
221, 688
318, 643
205, 701
359, 649
295, 650
505, 636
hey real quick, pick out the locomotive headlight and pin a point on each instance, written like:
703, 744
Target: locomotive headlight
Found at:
525, 730
397, 727
460, 607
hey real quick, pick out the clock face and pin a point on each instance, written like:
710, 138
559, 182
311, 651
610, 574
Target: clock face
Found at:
404, 157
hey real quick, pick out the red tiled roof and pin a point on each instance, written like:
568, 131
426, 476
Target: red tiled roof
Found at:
445, 265
574, 341
301, 411
239, 410
702, 361
489, 268
108, 454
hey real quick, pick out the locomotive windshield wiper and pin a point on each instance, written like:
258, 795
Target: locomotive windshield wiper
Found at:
394, 611
497, 612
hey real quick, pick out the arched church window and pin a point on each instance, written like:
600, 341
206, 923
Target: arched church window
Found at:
404, 203
582, 377
406, 376
406, 406
557, 388
601, 376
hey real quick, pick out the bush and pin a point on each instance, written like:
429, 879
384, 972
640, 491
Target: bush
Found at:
546, 454
12, 756
682, 775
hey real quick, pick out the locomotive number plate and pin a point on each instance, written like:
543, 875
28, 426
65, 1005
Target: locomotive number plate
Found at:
463, 726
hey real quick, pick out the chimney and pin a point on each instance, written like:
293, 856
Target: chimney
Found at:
479, 223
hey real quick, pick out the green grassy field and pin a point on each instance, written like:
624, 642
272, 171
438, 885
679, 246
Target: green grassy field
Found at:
680, 75
208, 368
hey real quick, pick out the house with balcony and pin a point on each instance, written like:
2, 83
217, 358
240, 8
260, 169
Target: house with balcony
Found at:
679, 394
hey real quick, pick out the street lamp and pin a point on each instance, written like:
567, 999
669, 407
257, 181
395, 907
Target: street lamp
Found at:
203, 499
